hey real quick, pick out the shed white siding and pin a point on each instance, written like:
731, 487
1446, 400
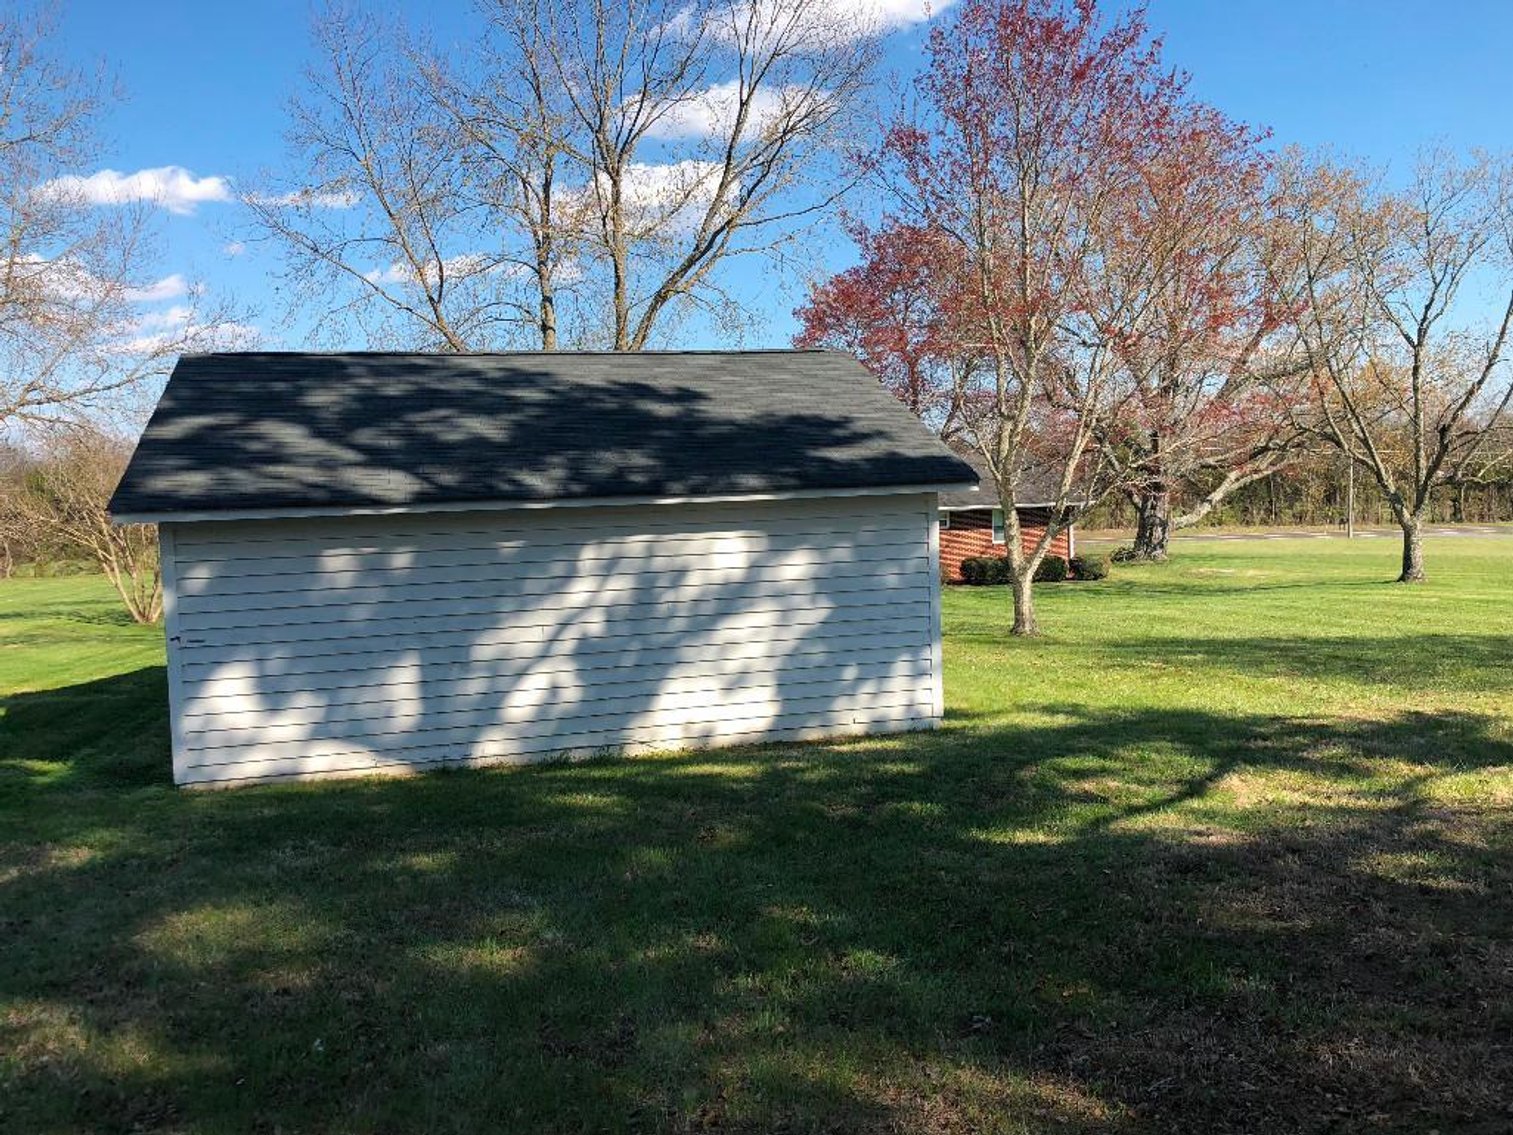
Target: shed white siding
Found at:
328, 646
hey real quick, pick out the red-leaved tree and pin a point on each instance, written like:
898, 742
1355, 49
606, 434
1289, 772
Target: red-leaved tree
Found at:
1211, 384
1037, 122
893, 312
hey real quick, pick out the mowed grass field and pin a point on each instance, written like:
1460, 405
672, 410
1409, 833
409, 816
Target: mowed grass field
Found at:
1229, 849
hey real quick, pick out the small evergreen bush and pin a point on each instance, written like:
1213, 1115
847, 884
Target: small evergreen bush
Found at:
984, 570
1052, 569
1090, 567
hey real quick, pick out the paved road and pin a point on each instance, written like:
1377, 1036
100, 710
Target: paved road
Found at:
1432, 531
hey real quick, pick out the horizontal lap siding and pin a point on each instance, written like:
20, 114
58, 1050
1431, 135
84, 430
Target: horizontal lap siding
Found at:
336, 646
970, 534
1032, 524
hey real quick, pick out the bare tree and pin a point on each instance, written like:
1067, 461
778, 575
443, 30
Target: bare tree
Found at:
1212, 387
1410, 384
381, 228
71, 275
741, 101
514, 124
617, 154
62, 498
1490, 465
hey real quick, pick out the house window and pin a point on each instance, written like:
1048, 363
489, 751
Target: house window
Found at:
998, 537
945, 521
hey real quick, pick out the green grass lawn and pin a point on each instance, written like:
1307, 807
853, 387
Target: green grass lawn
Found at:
1227, 850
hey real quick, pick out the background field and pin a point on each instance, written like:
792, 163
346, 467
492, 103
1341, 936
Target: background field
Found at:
1229, 849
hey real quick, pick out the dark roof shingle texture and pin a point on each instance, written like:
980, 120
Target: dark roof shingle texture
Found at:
237, 432
1037, 485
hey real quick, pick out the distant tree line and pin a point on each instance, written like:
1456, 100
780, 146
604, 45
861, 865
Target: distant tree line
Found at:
1312, 490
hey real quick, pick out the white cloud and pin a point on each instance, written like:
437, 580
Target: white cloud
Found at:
171, 187
178, 327
460, 266
65, 280
68, 284
889, 14
660, 195
169, 287
831, 23
62, 278
235, 248
179, 315
307, 198
178, 190
676, 186
713, 111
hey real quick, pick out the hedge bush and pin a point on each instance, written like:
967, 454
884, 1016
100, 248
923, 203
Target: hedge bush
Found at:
1124, 555
982, 570
1090, 567
1052, 569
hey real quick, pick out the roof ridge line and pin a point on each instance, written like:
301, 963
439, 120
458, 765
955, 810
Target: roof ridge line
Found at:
514, 354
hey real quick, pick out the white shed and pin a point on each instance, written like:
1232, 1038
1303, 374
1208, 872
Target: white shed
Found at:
385, 562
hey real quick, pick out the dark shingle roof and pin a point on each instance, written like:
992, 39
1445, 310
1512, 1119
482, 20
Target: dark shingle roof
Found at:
235, 432
1037, 486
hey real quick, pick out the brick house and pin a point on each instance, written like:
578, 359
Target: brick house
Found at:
972, 524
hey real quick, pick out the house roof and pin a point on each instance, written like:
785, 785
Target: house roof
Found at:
1037, 486
235, 433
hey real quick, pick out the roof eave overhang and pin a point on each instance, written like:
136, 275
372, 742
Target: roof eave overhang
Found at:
193, 516
1020, 506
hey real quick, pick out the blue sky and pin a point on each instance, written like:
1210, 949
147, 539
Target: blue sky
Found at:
206, 86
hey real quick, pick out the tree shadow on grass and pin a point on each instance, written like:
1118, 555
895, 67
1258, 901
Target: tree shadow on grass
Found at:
1472, 663
110, 732
1165, 921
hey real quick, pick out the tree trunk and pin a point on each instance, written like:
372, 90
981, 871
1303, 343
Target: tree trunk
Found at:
1349, 499
546, 312
1413, 549
548, 321
1024, 604
1153, 528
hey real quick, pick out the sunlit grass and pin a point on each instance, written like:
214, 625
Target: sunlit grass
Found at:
1227, 849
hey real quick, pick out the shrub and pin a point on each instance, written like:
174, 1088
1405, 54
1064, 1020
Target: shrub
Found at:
1090, 567
1124, 555
985, 570
1052, 569
981, 570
